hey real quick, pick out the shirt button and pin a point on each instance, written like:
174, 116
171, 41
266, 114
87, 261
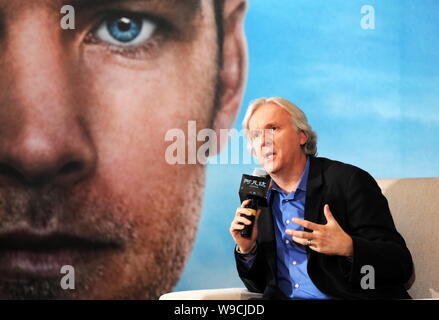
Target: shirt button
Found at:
294, 262
287, 241
287, 222
296, 285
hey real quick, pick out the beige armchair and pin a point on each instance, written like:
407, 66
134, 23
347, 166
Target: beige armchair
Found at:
413, 204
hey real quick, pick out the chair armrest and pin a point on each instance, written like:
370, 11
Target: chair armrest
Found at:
212, 294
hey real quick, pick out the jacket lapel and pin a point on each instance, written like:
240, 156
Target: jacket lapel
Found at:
267, 240
314, 192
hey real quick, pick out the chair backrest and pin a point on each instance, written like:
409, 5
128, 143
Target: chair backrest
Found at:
414, 204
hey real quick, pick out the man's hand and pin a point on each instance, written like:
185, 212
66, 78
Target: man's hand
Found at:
328, 239
245, 244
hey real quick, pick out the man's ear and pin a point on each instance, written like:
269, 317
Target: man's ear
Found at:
303, 137
233, 75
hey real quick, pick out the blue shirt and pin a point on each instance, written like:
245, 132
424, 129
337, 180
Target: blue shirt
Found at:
292, 260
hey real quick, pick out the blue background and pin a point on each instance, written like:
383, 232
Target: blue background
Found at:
371, 95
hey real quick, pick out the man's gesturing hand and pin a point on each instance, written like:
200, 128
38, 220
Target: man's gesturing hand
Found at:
328, 239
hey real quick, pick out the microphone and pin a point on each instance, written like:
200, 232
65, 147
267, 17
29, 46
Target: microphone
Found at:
254, 188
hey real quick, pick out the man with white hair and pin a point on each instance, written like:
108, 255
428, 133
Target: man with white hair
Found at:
328, 232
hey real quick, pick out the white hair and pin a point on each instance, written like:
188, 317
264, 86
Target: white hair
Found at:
298, 118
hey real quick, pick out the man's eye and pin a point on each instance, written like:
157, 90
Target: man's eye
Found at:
125, 30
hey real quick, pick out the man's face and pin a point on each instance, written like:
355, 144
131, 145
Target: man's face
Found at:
83, 116
275, 139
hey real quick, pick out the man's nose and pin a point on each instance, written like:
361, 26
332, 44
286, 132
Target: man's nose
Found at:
33, 155
44, 137
266, 138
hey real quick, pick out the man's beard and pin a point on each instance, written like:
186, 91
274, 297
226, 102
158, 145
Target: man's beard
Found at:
103, 217
76, 212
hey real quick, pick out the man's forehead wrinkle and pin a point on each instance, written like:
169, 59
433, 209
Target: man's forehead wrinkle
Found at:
19, 5
192, 5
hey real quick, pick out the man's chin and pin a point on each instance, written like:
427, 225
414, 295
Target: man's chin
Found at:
103, 277
35, 289
44, 276
270, 167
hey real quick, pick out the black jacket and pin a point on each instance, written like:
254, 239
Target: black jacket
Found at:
362, 211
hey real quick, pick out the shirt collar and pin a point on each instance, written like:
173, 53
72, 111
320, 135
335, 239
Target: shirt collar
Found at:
302, 183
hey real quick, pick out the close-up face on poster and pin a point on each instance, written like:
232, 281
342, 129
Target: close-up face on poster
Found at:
219, 150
